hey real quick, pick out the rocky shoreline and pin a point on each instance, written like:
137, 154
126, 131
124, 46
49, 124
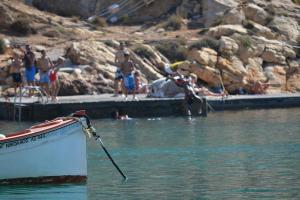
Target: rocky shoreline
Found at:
246, 42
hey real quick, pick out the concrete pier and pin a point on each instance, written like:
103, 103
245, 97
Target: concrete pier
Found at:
103, 106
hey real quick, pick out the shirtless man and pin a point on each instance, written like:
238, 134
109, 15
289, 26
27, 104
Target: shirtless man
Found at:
119, 59
29, 64
127, 69
15, 71
44, 66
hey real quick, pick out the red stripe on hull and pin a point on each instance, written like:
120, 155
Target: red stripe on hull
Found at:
44, 180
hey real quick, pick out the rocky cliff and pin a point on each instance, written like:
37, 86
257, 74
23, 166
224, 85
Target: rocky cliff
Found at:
132, 10
236, 43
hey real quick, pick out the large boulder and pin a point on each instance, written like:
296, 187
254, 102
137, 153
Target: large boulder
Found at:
67, 8
87, 8
234, 16
277, 53
293, 75
6, 17
255, 73
208, 74
74, 85
226, 30
189, 9
233, 66
286, 26
261, 30
249, 47
147, 67
213, 10
256, 14
87, 52
205, 56
277, 77
228, 46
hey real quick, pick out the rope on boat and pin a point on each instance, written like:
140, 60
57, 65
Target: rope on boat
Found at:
90, 131
86, 129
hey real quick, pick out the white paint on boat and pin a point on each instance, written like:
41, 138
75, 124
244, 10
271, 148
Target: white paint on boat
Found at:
57, 150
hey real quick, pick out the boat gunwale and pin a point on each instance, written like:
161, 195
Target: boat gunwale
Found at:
75, 179
18, 135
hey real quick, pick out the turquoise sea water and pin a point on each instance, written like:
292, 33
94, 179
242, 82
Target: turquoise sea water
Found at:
229, 155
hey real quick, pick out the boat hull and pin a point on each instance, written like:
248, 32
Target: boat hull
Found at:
56, 154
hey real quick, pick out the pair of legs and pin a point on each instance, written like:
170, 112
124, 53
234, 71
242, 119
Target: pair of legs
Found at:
44, 83
54, 90
129, 85
119, 85
118, 82
30, 73
17, 82
189, 100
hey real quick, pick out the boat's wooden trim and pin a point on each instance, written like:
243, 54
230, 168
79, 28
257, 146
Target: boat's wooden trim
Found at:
45, 180
37, 130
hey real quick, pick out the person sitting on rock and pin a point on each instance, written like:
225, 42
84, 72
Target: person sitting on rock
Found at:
127, 68
259, 87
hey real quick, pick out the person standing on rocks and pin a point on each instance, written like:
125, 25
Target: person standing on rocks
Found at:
30, 68
44, 66
119, 59
127, 69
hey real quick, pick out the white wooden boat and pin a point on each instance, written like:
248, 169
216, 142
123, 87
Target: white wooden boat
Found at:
51, 152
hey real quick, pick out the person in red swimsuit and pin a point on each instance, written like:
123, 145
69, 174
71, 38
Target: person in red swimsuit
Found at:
54, 82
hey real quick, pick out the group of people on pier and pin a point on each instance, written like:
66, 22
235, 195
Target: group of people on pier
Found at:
24, 67
127, 77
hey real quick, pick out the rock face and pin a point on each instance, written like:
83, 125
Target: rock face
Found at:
67, 8
87, 8
226, 30
256, 14
233, 16
5, 17
214, 9
97, 71
286, 26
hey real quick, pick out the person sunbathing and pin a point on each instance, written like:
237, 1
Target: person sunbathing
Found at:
260, 87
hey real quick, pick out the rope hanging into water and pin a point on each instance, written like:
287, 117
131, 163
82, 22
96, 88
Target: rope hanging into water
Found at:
90, 131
